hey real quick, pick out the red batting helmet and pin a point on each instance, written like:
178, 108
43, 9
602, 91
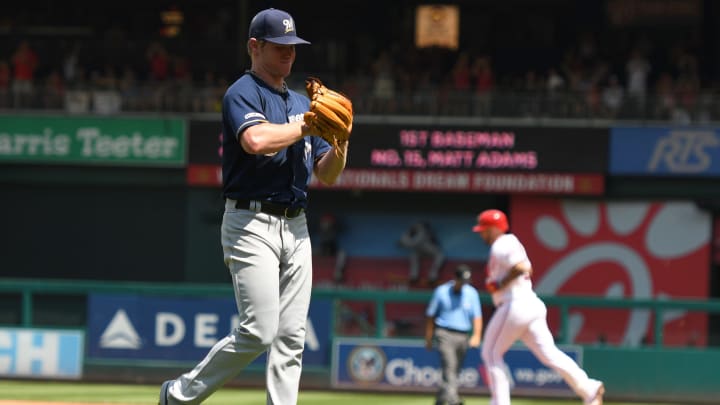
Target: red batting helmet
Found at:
490, 218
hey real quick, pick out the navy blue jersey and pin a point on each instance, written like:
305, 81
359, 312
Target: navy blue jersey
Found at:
281, 177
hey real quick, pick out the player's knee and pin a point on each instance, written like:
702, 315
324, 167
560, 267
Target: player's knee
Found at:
491, 357
261, 334
292, 343
292, 336
485, 354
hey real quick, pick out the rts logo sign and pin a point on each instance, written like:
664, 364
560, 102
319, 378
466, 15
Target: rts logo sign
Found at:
684, 151
665, 151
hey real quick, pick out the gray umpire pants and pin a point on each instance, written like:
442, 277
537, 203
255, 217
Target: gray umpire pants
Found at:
270, 261
452, 347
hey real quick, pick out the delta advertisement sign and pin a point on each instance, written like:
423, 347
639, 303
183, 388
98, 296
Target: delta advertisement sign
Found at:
406, 365
163, 328
619, 249
396, 157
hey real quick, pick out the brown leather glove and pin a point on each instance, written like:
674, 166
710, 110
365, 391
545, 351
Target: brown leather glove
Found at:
331, 113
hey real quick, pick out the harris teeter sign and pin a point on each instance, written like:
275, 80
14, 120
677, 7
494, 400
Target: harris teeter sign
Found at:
93, 141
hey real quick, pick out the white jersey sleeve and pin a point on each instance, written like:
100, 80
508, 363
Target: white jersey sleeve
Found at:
505, 253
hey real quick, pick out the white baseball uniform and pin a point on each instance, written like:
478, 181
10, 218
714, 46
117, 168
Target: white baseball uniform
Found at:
521, 315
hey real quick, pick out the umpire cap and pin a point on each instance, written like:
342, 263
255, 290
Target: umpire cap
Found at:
275, 26
463, 272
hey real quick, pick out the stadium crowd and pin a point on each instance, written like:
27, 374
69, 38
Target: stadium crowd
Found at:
586, 76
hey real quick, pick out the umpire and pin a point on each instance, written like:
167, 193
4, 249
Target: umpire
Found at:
452, 314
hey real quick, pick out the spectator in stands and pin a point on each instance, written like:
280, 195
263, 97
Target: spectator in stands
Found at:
687, 91
530, 103
129, 89
461, 72
454, 321
106, 97
665, 101
5, 80
356, 85
587, 49
637, 69
383, 89
71, 64
181, 69
421, 242
54, 94
181, 89
484, 80
687, 85
80, 80
208, 95
425, 94
571, 69
78, 92
555, 85
105, 79
158, 62
24, 62
554, 81
593, 100
329, 229
612, 97
461, 76
685, 64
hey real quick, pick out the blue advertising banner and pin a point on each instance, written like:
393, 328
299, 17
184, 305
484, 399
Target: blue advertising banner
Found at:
665, 151
42, 353
181, 329
398, 365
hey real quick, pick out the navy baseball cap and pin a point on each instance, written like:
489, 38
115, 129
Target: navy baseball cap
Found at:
275, 26
463, 272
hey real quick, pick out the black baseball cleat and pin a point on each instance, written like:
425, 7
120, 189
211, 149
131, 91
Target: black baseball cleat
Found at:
163, 392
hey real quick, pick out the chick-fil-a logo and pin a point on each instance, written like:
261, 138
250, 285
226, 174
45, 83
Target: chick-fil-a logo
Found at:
629, 249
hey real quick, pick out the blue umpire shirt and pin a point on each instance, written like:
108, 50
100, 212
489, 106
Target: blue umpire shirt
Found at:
454, 311
281, 177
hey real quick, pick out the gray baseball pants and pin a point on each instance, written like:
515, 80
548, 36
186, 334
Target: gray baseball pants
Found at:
452, 347
270, 261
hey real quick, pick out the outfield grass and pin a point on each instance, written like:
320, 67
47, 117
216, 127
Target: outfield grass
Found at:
147, 394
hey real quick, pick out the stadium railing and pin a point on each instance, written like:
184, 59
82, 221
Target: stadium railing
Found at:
27, 291
683, 107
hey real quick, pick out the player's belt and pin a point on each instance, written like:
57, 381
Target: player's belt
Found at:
452, 330
269, 208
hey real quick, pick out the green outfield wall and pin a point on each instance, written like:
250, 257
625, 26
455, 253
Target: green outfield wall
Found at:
659, 374
647, 373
